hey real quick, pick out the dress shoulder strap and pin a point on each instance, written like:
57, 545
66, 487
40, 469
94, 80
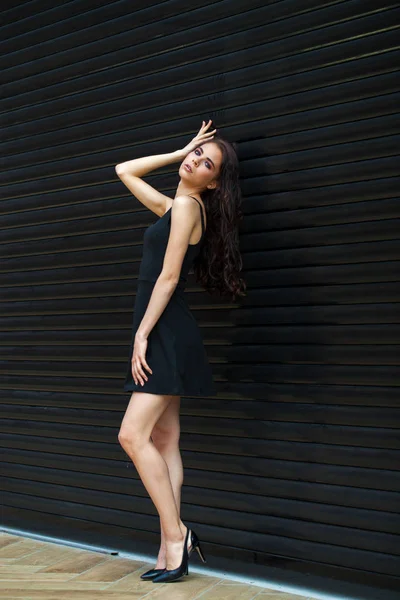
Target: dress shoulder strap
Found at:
201, 212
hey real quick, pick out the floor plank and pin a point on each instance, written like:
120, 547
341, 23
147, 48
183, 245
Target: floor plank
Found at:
37, 570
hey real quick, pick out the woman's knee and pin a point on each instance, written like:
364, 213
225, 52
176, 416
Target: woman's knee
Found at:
165, 436
143, 411
166, 431
123, 437
130, 439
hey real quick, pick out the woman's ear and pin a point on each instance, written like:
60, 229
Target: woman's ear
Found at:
212, 185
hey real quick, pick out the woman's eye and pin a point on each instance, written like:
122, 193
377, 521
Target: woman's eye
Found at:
206, 163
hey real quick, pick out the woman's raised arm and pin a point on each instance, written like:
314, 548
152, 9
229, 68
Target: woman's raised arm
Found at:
140, 166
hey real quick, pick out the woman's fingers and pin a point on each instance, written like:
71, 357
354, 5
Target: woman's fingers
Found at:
202, 131
208, 133
139, 361
138, 378
134, 372
142, 375
205, 125
138, 372
200, 137
144, 362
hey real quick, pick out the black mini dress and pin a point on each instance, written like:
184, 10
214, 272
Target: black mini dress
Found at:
175, 349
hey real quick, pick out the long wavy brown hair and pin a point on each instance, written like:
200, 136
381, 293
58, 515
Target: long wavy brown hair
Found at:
218, 265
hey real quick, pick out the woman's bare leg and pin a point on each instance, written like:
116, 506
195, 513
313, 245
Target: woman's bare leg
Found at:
143, 412
165, 436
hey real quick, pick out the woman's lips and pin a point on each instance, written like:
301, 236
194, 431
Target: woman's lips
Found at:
187, 167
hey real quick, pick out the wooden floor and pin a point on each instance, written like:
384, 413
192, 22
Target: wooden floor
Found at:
33, 569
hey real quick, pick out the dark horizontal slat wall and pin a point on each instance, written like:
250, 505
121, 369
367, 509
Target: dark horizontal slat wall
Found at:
297, 457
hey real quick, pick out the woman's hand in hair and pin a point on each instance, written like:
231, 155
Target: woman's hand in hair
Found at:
202, 137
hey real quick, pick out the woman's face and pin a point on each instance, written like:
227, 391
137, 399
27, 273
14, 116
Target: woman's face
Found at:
205, 163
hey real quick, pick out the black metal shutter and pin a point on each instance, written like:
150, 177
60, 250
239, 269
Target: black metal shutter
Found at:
295, 463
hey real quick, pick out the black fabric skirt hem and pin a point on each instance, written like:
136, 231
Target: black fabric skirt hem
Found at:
156, 390
175, 350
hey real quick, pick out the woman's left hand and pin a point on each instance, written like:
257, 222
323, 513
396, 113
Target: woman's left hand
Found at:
139, 360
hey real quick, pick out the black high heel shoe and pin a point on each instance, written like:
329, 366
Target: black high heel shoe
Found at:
151, 574
183, 569
195, 545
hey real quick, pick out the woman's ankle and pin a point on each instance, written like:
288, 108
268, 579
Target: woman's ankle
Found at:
182, 527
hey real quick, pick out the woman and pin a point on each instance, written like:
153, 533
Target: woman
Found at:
167, 358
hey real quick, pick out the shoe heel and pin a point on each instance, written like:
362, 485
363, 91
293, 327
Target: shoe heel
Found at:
196, 545
199, 550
